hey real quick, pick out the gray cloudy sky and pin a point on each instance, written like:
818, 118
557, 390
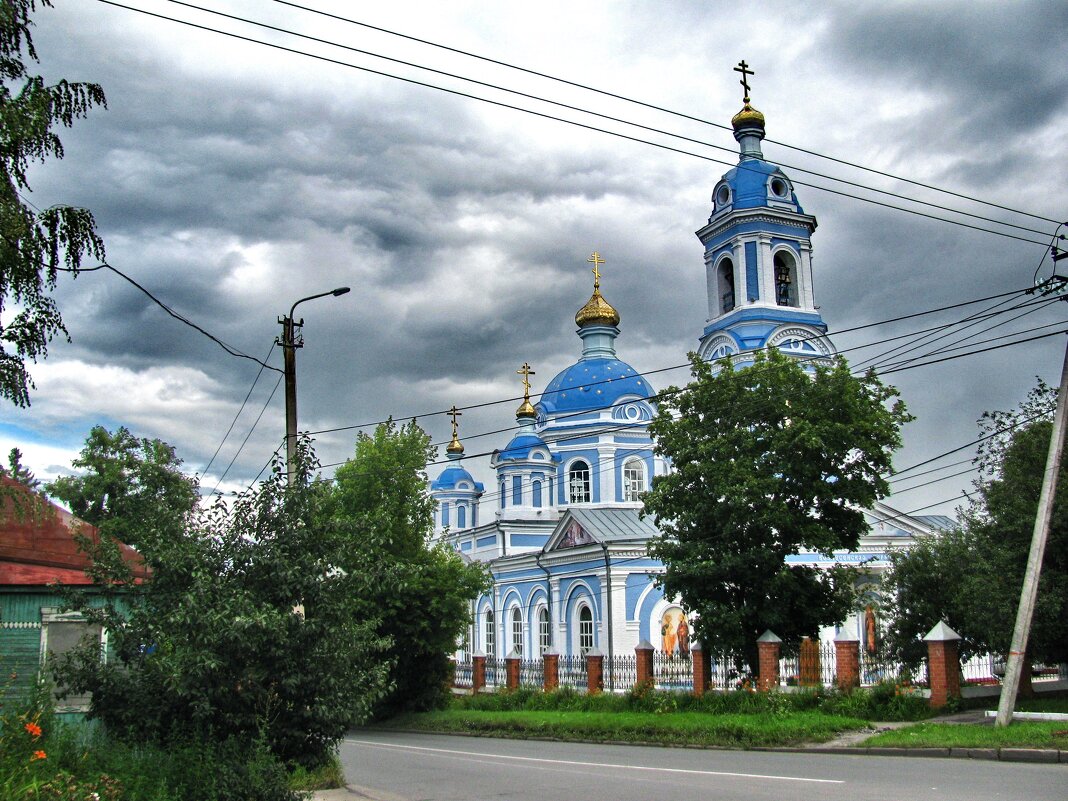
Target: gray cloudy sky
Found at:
231, 179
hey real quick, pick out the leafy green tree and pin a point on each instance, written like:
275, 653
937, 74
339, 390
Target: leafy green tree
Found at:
972, 577
18, 471
420, 592
768, 460
34, 245
129, 485
246, 629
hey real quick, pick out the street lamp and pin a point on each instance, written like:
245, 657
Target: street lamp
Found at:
290, 342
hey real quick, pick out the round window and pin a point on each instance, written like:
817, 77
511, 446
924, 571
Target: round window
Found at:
723, 196
778, 187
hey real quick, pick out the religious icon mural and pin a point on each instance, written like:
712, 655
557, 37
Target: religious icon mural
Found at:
574, 536
871, 630
675, 633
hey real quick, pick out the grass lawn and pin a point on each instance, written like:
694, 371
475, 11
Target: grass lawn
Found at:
1021, 734
691, 728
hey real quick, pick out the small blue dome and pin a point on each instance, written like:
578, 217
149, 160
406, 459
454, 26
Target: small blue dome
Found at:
520, 447
749, 183
592, 384
453, 475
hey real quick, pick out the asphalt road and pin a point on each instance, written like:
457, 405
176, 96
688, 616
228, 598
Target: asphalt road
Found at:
425, 766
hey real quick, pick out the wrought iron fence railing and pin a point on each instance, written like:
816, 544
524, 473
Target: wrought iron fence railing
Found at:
531, 673
672, 671
571, 672
620, 672
463, 673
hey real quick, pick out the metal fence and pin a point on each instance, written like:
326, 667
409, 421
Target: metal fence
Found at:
572, 672
463, 673
672, 672
620, 672
531, 673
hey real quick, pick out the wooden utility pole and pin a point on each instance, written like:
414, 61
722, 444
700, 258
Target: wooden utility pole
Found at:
1020, 633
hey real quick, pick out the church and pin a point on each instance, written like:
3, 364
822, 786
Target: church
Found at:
567, 547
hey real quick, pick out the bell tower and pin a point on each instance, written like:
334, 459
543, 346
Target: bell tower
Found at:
758, 257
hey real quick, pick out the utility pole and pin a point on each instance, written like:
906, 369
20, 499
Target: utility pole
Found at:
1026, 610
289, 343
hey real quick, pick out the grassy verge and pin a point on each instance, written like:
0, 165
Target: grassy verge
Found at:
690, 728
1021, 734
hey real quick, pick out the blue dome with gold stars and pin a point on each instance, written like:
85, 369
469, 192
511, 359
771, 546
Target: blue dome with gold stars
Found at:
592, 384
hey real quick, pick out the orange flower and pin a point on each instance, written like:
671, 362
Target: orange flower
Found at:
38, 755
33, 729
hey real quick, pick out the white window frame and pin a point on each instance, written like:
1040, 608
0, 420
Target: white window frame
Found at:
633, 474
586, 638
51, 616
574, 476
489, 635
544, 631
517, 630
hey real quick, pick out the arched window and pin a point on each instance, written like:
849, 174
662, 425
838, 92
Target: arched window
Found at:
490, 638
535, 492
544, 641
578, 482
445, 514
785, 279
517, 630
725, 274
501, 495
633, 479
461, 516
585, 633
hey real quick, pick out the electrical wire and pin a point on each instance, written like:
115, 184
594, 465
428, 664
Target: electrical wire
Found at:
655, 107
249, 434
236, 416
599, 115
543, 115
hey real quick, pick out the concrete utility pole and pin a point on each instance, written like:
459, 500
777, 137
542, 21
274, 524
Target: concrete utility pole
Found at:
289, 343
1022, 630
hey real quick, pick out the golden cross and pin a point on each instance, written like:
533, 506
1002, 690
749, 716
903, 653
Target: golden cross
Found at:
526, 372
596, 261
746, 72
455, 413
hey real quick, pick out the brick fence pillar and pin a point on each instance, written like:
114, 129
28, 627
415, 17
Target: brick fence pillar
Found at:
809, 660
550, 670
643, 656
511, 669
943, 664
847, 663
594, 671
768, 648
702, 668
478, 671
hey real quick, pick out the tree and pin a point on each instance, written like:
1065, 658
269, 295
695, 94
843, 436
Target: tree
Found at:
247, 628
130, 484
971, 577
420, 592
767, 460
18, 471
34, 245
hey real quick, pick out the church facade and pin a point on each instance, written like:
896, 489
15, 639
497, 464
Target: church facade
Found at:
567, 547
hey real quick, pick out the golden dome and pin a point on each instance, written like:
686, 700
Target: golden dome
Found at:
597, 311
455, 446
525, 409
747, 117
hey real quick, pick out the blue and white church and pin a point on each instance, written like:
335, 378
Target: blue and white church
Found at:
567, 547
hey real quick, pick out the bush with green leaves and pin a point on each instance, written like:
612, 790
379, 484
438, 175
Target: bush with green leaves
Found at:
249, 630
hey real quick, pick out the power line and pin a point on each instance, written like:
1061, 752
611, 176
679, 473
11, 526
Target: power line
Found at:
655, 107
552, 117
236, 416
228, 348
249, 434
558, 104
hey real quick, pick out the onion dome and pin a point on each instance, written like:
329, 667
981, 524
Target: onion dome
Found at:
597, 311
748, 117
